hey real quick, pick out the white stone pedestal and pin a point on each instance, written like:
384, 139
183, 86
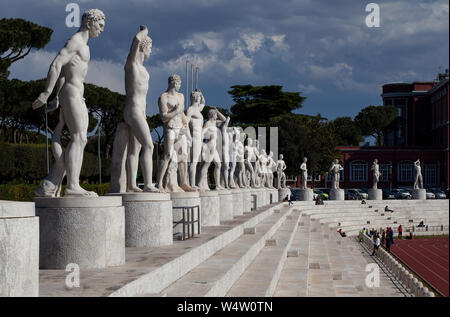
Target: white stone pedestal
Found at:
260, 197
246, 199
148, 219
210, 208
87, 231
337, 194
226, 205
282, 193
184, 199
419, 193
254, 199
274, 195
19, 250
375, 194
238, 204
305, 194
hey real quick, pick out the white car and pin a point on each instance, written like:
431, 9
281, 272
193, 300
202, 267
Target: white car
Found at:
430, 195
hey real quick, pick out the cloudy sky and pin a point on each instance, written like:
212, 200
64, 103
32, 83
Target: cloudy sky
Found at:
322, 49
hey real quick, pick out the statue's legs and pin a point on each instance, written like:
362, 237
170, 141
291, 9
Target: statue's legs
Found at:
169, 139
231, 182
217, 168
181, 149
134, 148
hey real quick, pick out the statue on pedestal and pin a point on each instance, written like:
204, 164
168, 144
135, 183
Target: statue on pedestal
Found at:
304, 170
376, 173
68, 71
195, 117
418, 179
240, 149
176, 133
225, 153
281, 176
250, 157
271, 167
335, 169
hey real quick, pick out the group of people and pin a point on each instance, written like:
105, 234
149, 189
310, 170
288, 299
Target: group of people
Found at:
384, 237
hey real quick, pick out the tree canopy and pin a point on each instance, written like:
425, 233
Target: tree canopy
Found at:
256, 104
346, 131
375, 120
17, 38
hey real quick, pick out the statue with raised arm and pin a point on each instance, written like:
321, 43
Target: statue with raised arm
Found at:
176, 132
209, 150
195, 117
418, 180
281, 176
335, 169
304, 170
68, 71
376, 173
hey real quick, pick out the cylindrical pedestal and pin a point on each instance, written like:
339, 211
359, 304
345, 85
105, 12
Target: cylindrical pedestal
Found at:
184, 199
210, 208
282, 193
19, 250
337, 194
87, 231
305, 194
375, 194
419, 193
246, 199
148, 219
238, 205
226, 205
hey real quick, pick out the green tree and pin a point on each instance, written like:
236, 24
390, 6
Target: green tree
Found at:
17, 38
346, 131
256, 104
375, 120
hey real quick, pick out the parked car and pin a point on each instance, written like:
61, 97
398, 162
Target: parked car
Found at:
401, 193
430, 194
353, 193
439, 193
349, 195
387, 194
320, 192
363, 192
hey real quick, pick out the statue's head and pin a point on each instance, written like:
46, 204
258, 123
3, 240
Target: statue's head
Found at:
305, 159
212, 114
249, 141
336, 161
281, 156
375, 161
196, 96
145, 46
270, 154
175, 82
94, 21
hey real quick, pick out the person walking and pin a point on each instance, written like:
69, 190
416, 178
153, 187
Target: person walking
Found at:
388, 245
376, 243
400, 232
391, 235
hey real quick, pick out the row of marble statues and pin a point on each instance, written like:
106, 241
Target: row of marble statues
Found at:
191, 143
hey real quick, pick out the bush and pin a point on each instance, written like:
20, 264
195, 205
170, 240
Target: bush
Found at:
25, 192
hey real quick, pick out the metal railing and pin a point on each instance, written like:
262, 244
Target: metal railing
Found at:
187, 221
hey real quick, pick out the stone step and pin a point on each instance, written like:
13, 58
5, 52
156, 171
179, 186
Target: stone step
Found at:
150, 270
293, 281
216, 275
261, 277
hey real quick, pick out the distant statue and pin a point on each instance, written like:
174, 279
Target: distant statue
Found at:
376, 173
418, 181
176, 133
250, 157
304, 170
271, 167
281, 176
335, 169
225, 153
68, 71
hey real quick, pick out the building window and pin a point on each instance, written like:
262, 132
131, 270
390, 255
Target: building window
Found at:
385, 170
405, 172
358, 171
430, 174
317, 179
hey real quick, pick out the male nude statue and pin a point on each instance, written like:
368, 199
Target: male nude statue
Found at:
304, 170
281, 176
171, 106
68, 70
335, 168
250, 157
271, 165
376, 173
418, 180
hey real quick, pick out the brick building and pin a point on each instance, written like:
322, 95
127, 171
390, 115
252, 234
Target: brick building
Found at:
423, 133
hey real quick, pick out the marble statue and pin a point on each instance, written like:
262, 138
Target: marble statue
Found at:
68, 71
240, 163
234, 140
209, 149
335, 169
418, 179
225, 152
176, 133
281, 176
250, 157
376, 173
195, 117
271, 167
304, 170
135, 132
262, 168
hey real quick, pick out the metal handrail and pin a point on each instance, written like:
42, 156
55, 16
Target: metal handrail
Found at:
187, 219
